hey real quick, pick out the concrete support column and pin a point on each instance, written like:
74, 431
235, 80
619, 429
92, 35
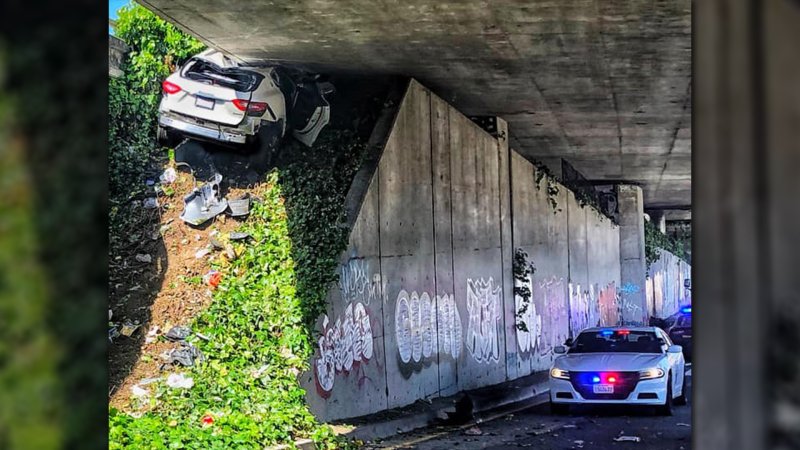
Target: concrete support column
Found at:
631, 255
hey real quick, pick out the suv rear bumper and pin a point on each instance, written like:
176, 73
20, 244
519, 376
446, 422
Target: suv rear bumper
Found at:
220, 133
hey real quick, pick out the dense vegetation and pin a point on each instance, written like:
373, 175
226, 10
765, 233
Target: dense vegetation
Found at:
260, 324
654, 240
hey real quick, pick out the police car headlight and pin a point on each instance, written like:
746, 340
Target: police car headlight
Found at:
560, 374
650, 374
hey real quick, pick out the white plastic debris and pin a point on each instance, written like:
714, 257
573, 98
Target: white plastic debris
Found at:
202, 252
180, 381
628, 439
684, 425
579, 443
150, 203
168, 176
570, 425
152, 335
110, 314
138, 391
474, 431
144, 258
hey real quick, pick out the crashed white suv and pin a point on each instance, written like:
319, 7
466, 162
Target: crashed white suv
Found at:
213, 98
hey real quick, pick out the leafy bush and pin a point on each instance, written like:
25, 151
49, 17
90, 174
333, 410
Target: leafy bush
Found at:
654, 240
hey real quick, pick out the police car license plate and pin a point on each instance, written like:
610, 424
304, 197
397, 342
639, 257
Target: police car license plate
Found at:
603, 389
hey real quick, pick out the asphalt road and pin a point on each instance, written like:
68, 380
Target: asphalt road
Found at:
536, 428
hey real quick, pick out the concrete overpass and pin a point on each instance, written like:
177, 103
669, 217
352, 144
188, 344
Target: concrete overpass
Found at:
603, 84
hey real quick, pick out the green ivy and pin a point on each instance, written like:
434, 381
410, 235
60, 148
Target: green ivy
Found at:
316, 181
542, 172
654, 240
522, 269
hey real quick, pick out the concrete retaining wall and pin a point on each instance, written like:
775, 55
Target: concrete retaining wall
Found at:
425, 305
665, 285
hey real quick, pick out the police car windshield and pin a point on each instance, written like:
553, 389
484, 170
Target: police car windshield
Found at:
616, 341
684, 321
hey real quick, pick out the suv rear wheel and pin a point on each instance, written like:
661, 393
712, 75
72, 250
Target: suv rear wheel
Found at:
265, 146
165, 137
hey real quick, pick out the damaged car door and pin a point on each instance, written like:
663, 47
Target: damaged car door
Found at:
307, 104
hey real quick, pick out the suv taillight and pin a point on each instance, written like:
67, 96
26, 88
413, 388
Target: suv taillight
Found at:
253, 108
170, 88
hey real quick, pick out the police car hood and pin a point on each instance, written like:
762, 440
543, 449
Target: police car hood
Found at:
597, 362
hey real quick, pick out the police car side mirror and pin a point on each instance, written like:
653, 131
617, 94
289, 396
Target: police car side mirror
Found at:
559, 349
568, 342
675, 349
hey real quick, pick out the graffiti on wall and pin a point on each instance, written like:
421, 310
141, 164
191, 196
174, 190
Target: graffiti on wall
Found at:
343, 345
426, 329
555, 321
607, 300
357, 284
527, 338
484, 310
584, 312
416, 331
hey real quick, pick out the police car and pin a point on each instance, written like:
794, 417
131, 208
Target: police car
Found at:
618, 365
679, 329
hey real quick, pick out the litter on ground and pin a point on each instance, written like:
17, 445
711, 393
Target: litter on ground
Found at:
178, 333
144, 258
128, 328
180, 381
474, 431
628, 439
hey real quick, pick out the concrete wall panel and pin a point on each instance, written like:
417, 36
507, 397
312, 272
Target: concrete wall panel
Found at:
477, 256
425, 304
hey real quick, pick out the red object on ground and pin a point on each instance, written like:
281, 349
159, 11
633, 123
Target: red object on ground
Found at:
207, 420
213, 278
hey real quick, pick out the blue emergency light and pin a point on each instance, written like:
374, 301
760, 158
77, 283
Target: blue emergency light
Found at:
686, 309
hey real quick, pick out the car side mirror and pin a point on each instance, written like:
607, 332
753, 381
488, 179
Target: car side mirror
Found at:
559, 349
568, 342
675, 349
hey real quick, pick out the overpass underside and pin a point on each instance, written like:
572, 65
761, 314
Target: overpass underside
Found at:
605, 85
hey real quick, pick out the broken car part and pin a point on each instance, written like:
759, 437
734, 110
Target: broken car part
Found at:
204, 203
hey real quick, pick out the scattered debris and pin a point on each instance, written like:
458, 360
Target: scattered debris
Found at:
207, 420
168, 176
212, 278
146, 381
260, 371
128, 328
113, 333
578, 442
204, 203
216, 244
179, 380
176, 334
152, 335
110, 314
238, 236
240, 206
628, 439
230, 252
144, 258
186, 355
150, 203
202, 336
202, 252
138, 391
570, 425
149, 182
684, 425
474, 431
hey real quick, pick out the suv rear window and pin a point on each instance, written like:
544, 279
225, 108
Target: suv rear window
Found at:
684, 322
229, 77
616, 342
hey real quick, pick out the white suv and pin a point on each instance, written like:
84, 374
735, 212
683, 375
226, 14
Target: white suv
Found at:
212, 98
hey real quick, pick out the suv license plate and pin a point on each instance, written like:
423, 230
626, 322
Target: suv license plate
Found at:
204, 102
603, 389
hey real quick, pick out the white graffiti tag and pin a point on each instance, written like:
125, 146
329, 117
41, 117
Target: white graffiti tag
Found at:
449, 321
345, 343
416, 332
483, 307
356, 285
528, 338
